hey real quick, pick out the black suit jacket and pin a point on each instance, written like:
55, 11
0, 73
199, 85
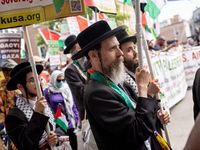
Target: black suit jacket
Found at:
25, 135
115, 126
77, 84
196, 93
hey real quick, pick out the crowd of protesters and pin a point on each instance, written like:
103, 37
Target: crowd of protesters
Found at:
102, 80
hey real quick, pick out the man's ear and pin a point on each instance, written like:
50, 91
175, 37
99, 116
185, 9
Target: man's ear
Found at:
93, 55
20, 87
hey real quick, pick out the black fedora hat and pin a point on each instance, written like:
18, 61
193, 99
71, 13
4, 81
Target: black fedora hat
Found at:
70, 41
124, 37
19, 72
93, 35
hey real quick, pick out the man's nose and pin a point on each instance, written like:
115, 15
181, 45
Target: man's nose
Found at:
119, 52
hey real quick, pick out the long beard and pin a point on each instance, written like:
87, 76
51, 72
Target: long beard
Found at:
80, 62
130, 65
116, 70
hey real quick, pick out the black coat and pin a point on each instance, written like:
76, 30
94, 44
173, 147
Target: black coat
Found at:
77, 84
115, 126
25, 135
196, 93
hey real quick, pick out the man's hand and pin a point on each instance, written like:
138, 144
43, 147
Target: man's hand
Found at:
154, 88
164, 117
142, 80
52, 139
40, 104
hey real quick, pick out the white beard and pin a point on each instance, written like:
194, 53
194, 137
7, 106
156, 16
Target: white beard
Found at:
115, 72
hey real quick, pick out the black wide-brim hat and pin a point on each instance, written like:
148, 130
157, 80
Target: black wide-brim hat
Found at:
19, 72
70, 41
124, 37
94, 34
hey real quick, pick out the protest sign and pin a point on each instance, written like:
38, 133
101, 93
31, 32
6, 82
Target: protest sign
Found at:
25, 12
170, 72
73, 25
191, 61
53, 48
106, 6
10, 46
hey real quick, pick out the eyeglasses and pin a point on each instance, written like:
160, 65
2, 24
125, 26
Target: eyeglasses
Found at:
60, 80
31, 81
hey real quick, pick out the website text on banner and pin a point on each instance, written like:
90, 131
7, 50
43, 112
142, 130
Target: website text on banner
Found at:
25, 12
169, 70
191, 62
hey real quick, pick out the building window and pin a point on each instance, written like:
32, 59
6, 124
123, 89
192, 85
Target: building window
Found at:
176, 32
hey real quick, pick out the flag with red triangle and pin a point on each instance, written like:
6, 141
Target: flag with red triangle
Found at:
60, 119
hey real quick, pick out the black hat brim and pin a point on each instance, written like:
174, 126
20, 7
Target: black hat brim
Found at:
12, 83
130, 38
68, 48
87, 48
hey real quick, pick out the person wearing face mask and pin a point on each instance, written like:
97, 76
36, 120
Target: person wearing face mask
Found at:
58, 93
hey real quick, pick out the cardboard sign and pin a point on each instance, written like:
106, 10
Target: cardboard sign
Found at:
25, 12
10, 46
106, 6
53, 47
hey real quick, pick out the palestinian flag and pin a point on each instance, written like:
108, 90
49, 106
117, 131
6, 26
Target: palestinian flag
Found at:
154, 7
60, 119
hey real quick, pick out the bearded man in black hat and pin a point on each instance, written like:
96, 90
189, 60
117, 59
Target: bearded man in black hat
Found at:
127, 45
116, 121
75, 74
25, 123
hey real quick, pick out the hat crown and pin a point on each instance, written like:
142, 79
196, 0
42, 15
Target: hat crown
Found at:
93, 32
19, 67
70, 39
122, 36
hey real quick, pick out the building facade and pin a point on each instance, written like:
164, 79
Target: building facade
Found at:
178, 28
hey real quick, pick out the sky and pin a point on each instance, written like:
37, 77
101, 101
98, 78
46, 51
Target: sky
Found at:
183, 8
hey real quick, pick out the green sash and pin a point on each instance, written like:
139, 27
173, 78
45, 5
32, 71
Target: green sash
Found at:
97, 76
79, 69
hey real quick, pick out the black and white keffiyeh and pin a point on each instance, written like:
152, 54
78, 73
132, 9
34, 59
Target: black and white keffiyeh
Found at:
132, 83
23, 105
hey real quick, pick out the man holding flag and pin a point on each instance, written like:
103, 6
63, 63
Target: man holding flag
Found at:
116, 120
127, 45
25, 123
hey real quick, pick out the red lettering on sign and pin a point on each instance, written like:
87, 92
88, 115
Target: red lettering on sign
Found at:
184, 58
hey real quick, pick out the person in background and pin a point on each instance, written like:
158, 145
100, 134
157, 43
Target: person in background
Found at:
161, 44
177, 47
7, 98
75, 75
197, 36
151, 47
58, 92
190, 43
25, 122
48, 69
38, 60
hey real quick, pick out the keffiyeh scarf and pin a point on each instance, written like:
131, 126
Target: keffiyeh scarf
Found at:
23, 105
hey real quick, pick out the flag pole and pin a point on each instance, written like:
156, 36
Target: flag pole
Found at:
136, 3
152, 76
140, 37
32, 63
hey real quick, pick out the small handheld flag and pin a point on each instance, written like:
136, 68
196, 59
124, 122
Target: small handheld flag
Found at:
60, 119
